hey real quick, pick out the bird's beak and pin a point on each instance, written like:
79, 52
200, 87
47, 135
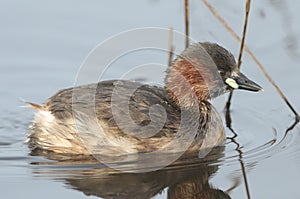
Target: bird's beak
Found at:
240, 81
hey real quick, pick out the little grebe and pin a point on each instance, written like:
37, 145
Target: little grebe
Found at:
114, 117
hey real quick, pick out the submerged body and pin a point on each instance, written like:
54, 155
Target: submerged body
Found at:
119, 117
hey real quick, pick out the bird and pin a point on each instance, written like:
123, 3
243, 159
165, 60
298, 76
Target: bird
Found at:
119, 117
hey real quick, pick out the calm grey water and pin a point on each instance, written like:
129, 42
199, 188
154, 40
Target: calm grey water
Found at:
43, 43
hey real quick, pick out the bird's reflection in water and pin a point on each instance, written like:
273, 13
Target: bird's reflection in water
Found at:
188, 177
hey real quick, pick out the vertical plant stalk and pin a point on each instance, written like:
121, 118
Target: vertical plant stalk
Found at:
260, 66
228, 118
227, 107
186, 17
248, 3
228, 103
171, 47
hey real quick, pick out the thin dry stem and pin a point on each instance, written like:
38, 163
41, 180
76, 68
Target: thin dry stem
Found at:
248, 3
231, 31
186, 14
227, 108
171, 47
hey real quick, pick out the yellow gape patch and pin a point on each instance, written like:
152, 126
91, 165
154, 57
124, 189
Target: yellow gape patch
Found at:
232, 83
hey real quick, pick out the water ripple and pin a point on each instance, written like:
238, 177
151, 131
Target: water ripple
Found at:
260, 146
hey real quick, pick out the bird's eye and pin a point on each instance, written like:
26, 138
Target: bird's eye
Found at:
224, 73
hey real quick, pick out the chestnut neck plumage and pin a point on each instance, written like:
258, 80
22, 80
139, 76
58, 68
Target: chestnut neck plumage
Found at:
193, 78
